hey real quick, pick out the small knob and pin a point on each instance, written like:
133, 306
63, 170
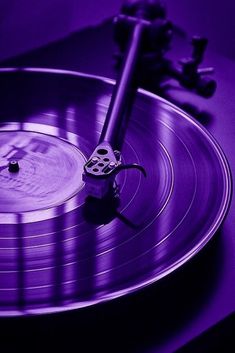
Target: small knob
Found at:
13, 167
206, 87
199, 47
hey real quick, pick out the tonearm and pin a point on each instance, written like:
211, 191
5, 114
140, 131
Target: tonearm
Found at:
143, 34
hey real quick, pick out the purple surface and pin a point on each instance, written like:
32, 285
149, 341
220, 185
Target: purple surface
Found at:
178, 310
25, 25
53, 257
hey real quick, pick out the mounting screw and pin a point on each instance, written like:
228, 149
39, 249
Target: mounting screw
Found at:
13, 167
112, 165
117, 154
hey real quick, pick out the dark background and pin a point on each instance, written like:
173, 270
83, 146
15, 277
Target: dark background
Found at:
26, 24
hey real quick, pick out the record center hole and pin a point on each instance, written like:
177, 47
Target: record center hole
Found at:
100, 164
102, 151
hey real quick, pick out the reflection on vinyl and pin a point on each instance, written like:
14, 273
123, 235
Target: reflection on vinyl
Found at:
56, 253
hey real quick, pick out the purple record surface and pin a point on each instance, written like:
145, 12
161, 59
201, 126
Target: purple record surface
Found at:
55, 253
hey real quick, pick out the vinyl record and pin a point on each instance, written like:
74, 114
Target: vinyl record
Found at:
58, 251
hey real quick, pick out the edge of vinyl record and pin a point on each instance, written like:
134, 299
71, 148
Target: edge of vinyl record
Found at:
190, 254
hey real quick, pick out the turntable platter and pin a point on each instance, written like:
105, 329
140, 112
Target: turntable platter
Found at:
52, 257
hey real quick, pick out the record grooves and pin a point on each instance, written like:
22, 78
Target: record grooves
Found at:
52, 256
